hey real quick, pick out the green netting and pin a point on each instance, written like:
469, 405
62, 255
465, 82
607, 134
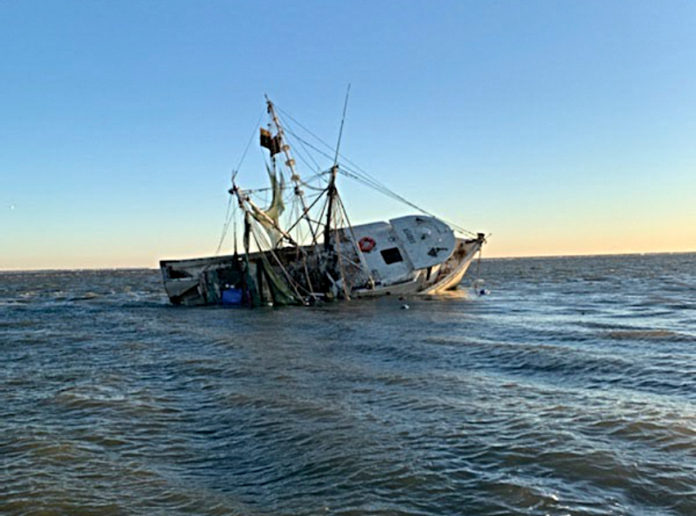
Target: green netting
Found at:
280, 290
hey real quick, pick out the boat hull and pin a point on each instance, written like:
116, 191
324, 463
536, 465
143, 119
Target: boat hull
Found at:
250, 281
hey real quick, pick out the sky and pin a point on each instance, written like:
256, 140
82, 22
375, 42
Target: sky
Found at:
556, 127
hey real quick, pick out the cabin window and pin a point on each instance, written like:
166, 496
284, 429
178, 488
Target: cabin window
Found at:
391, 255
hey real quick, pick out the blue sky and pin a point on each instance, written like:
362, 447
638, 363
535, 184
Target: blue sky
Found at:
559, 127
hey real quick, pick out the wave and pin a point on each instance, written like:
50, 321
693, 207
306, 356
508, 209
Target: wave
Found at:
653, 334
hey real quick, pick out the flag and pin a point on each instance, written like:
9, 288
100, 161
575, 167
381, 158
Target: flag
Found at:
272, 143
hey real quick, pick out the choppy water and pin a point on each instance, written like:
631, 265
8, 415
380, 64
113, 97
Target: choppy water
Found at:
570, 389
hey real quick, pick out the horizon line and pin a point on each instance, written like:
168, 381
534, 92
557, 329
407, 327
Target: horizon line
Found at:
515, 257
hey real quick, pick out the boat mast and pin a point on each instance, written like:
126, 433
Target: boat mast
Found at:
290, 162
330, 194
331, 190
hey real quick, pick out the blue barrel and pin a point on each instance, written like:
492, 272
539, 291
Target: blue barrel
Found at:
232, 296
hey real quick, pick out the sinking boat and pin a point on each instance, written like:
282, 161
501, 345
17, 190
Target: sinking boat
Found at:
311, 253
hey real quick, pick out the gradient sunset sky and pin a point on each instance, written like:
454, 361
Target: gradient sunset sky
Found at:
560, 127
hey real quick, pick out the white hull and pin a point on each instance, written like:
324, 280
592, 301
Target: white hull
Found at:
408, 256
447, 278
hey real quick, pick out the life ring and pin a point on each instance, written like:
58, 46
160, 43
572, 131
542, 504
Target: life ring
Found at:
367, 244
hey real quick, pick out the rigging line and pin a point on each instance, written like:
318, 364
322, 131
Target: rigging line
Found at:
251, 139
381, 187
258, 232
291, 282
314, 188
359, 254
294, 214
322, 211
234, 228
368, 180
337, 249
259, 212
302, 158
309, 154
398, 197
266, 189
290, 143
297, 214
290, 199
285, 113
385, 191
316, 176
319, 139
228, 219
308, 144
225, 226
346, 159
308, 208
362, 170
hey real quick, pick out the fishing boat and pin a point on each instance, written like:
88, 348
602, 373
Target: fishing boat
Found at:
311, 252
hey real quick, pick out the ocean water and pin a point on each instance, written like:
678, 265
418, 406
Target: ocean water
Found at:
569, 389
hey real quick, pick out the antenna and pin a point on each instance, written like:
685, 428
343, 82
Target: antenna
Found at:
340, 131
331, 189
